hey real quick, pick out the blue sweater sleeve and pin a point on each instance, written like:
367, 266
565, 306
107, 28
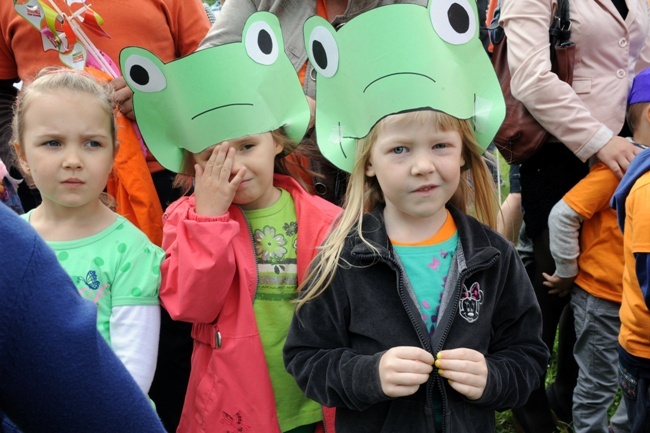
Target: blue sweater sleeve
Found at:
642, 269
57, 374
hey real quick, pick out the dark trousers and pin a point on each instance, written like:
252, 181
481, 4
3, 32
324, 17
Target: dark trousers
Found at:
634, 380
175, 346
545, 178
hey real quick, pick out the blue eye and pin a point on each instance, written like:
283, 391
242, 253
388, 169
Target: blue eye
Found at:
399, 150
440, 145
93, 143
52, 143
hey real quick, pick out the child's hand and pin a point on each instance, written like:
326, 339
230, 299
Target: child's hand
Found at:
403, 369
465, 370
214, 191
559, 286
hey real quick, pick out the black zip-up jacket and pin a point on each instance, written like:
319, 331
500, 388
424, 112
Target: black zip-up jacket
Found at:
336, 341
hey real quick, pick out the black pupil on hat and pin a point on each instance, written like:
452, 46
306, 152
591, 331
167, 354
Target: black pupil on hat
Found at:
320, 56
139, 75
458, 18
265, 42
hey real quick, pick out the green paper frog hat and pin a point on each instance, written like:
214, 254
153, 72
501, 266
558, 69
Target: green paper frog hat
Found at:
220, 93
399, 58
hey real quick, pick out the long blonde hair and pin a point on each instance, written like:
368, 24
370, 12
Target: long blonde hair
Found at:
476, 194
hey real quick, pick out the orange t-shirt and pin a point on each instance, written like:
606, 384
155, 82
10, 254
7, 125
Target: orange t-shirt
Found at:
601, 242
635, 317
168, 28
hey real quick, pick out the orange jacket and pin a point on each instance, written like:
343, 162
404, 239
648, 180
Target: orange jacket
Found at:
130, 182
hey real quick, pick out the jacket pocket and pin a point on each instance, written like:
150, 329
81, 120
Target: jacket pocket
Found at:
581, 85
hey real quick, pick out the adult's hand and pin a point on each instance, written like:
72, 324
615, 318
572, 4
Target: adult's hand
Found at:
123, 97
617, 155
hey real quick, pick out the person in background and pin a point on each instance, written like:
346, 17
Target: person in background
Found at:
631, 204
57, 374
586, 121
587, 247
171, 29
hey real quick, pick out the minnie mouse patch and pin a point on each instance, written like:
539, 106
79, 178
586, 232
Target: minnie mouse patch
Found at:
470, 302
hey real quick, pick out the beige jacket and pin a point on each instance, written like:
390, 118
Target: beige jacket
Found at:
609, 51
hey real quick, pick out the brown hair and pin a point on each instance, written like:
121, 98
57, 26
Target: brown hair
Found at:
635, 114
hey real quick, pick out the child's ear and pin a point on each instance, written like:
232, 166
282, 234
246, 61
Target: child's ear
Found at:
370, 170
279, 147
21, 157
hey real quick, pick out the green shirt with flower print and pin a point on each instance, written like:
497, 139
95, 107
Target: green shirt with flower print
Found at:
274, 230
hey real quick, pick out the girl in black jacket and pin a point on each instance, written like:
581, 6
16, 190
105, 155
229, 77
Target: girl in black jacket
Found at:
415, 317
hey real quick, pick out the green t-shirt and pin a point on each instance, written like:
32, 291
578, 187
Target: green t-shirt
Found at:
274, 232
118, 266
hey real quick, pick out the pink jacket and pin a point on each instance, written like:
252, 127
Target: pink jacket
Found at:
609, 51
209, 278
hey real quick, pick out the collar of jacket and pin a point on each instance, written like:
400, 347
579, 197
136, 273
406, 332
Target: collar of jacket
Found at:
474, 241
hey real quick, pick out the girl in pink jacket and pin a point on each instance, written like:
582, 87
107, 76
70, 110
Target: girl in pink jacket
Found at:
238, 248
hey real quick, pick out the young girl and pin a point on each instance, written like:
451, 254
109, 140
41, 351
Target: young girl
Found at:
64, 135
236, 251
415, 317
371, 324
239, 246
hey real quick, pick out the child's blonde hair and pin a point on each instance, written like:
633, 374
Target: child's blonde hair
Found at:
476, 193
183, 181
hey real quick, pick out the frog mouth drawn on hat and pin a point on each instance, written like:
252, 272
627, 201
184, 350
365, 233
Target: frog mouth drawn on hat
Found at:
397, 73
241, 104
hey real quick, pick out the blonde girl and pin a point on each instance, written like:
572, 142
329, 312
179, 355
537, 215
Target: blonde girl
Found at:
415, 316
64, 137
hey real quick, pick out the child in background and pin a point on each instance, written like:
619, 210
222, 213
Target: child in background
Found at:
408, 280
587, 247
239, 246
631, 201
64, 137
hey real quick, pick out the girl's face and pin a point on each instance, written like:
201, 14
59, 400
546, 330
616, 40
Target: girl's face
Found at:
257, 154
418, 169
67, 147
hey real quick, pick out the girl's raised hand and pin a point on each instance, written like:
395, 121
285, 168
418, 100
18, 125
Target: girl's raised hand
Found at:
214, 190
465, 370
403, 369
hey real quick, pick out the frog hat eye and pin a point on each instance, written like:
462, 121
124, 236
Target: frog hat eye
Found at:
261, 43
453, 20
143, 74
323, 51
